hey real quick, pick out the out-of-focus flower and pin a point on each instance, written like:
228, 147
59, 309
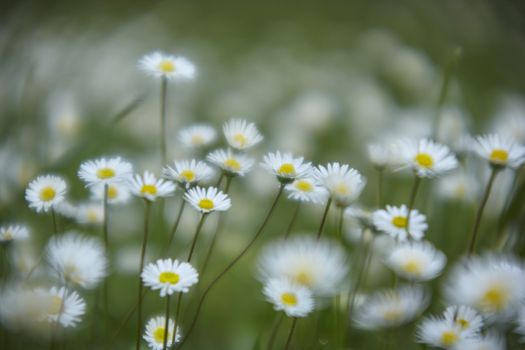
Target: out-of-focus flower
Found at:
207, 200
286, 167
105, 171
342, 182
294, 299
150, 188
241, 135
188, 173
161, 65
416, 261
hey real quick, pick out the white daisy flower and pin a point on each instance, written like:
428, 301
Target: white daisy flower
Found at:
241, 135
495, 286
150, 188
294, 299
391, 308
105, 171
306, 190
23, 308
169, 276
458, 186
207, 200
427, 158
118, 193
155, 332
499, 152
188, 173
65, 307
342, 182
286, 167
197, 136
379, 155
161, 65
76, 258
319, 265
465, 317
230, 163
13, 233
416, 261
441, 333
489, 341
393, 221
90, 213
66, 209
45, 192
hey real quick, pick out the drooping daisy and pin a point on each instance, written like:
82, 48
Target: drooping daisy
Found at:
342, 182
416, 261
105, 171
90, 213
500, 153
379, 155
188, 173
465, 317
197, 136
161, 65
427, 158
441, 333
150, 188
285, 166
169, 276
118, 193
13, 233
319, 265
45, 192
230, 163
65, 307
391, 308
78, 259
495, 286
241, 135
306, 190
155, 332
489, 341
393, 221
207, 200
294, 299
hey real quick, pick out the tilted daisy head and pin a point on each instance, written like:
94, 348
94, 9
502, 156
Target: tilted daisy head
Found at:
241, 135
77, 259
427, 158
45, 192
416, 261
167, 66
230, 163
169, 276
118, 193
307, 189
156, 331
465, 317
394, 221
286, 167
197, 136
441, 333
64, 307
391, 308
499, 152
105, 171
207, 200
319, 265
188, 173
294, 299
13, 233
150, 188
342, 182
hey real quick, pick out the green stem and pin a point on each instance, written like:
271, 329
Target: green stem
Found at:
163, 93
412, 200
290, 335
340, 224
177, 311
105, 234
55, 221
275, 330
323, 219
175, 226
294, 218
166, 322
141, 267
197, 232
380, 187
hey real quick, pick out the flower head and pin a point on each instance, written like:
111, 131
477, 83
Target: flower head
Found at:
379, 155
230, 163
197, 136
90, 213
286, 167
241, 135
500, 153
427, 158
294, 299
105, 171
150, 188
13, 233
342, 182
188, 173
306, 189
166, 66
394, 222
45, 192
207, 200
441, 333
155, 332
465, 317
118, 193
65, 307
169, 276
416, 261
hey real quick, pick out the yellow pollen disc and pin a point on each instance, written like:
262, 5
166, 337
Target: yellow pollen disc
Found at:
55, 304
8, 235
424, 160
286, 169
449, 338
187, 175
92, 216
391, 315
303, 185
105, 173
495, 299
47, 194
112, 192
240, 139
149, 189
464, 324
232, 164
169, 277
304, 278
158, 335
71, 273
167, 66
289, 299
399, 221
413, 267
499, 156
206, 204
342, 189
197, 140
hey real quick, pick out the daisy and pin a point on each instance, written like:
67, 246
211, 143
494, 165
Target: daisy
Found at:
292, 298
306, 190
65, 307
427, 158
499, 152
465, 317
441, 333
150, 188
231, 164
285, 166
161, 65
13, 233
495, 286
118, 193
458, 186
240, 134
197, 136
23, 308
379, 155
207, 200
342, 182
45, 192
90, 213
155, 332
319, 265
78, 259
188, 173
391, 308
169, 276
105, 171
393, 221
416, 261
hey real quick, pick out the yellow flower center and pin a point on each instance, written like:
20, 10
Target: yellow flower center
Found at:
206, 204
92, 215
303, 185
197, 140
112, 192
286, 169
499, 156
240, 139
424, 160
449, 338
304, 278
187, 175
342, 189
392, 315
105, 173
413, 267
495, 298
399, 221
148, 189
167, 66
55, 304
8, 235
158, 335
232, 164
47, 194
289, 299
464, 324
169, 277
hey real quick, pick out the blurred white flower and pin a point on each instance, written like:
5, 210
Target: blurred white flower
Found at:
13, 233
458, 186
150, 188
188, 173
416, 261
294, 299
307, 189
105, 171
90, 213
65, 307
342, 182
118, 193
498, 152
230, 163
207, 200
285, 166
155, 333
197, 136
161, 65
426, 158
241, 135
